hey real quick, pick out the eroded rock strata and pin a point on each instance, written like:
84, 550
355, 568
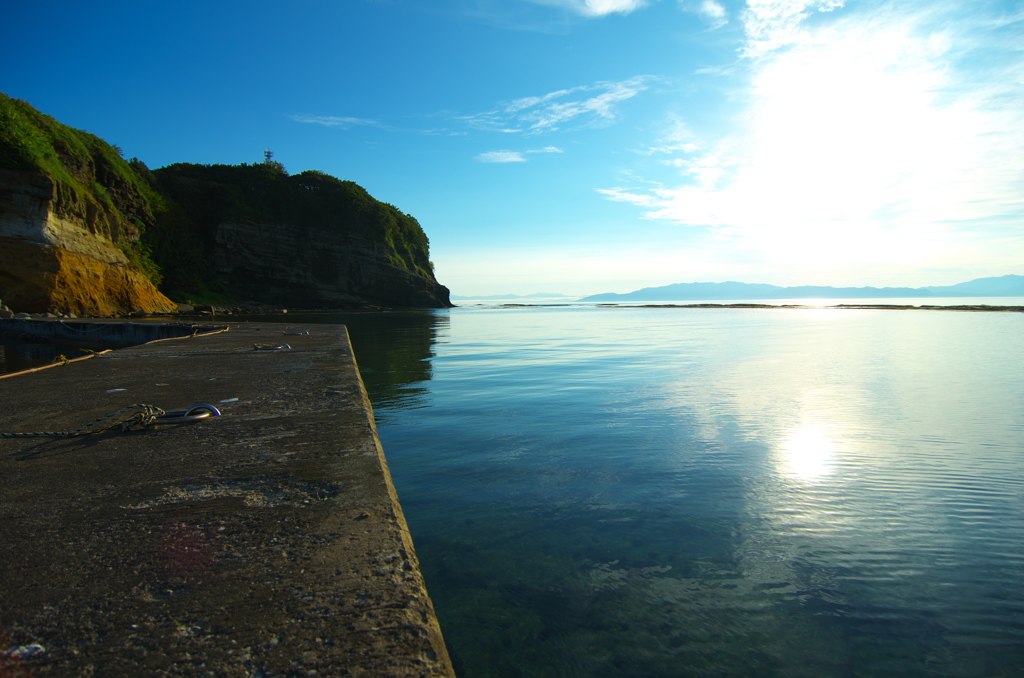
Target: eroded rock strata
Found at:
306, 266
57, 253
84, 231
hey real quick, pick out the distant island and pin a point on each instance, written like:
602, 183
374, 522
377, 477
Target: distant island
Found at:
1002, 286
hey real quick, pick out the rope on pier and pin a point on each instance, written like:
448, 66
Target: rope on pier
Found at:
146, 417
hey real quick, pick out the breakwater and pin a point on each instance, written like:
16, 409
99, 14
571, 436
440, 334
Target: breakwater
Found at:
265, 541
100, 333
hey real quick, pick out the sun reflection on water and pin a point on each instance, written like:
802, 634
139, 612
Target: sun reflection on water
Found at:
808, 450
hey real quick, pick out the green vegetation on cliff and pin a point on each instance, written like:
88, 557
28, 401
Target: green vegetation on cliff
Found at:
166, 221
92, 182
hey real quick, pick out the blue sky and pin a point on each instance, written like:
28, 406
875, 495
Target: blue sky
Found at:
586, 146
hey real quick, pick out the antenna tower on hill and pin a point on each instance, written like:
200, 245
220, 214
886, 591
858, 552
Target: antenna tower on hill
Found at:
268, 156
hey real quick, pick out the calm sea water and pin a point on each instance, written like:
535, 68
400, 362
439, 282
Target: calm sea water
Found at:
668, 492
710, 492
17, 354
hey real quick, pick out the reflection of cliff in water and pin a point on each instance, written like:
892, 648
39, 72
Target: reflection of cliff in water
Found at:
393, 350
18, 355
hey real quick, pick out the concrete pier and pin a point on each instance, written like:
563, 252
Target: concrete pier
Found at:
267, 541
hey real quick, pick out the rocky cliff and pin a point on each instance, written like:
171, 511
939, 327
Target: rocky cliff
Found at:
305, 266
71, 212
309, 240
55, 263
83, 231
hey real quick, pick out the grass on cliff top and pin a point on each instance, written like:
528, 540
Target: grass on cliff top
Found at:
83, 167
165, 221
33, 141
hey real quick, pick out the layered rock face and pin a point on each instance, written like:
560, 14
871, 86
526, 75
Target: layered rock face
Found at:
308, 267
57, 255
309, 240
84, 231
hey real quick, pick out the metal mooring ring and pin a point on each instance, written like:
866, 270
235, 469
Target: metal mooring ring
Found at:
194, 413
271, 347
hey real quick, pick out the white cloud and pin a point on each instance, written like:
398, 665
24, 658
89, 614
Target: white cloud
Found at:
714, 13
595, 8
677, 137
771, 24
864, 144
500, 156
587, 106
514, 156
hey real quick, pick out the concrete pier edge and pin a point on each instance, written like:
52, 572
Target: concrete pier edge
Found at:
268, 541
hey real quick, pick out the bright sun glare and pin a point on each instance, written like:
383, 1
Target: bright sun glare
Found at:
858, 146
807, 451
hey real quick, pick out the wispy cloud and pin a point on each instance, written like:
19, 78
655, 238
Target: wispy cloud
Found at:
771, 24
595, 8
545, 16
338, 121
587, 106
868, 138
513, 156
676, 137
342, 122
584, 107
500, 156
712, 11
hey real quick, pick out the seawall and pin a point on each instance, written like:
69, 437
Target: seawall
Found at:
101, 333
267, 541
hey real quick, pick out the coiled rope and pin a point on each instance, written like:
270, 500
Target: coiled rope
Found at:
147, 416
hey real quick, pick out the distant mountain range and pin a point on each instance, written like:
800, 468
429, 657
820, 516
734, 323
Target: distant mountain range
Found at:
1003, 286
538, 295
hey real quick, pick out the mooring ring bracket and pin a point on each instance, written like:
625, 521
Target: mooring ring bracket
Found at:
194, 413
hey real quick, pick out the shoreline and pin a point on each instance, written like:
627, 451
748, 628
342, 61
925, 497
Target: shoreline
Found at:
869, 307
201, 313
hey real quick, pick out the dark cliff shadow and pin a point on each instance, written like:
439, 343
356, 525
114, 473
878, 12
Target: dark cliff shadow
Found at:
394, 352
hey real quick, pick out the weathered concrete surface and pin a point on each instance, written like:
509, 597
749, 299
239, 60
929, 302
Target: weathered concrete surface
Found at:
265, 542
